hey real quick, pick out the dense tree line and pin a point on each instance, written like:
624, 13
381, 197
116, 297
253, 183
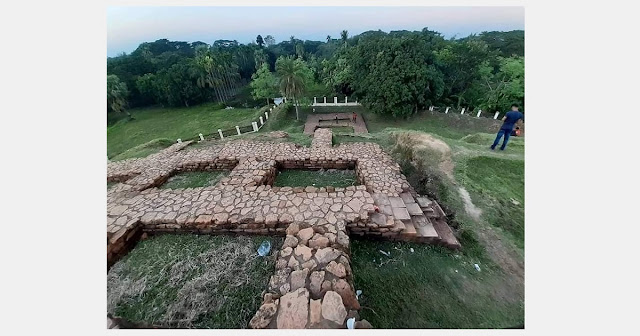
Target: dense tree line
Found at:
398, 73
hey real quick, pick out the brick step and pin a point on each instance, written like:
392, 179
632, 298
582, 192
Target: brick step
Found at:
409, 231
447, 237
399, 226
397, 202
424, 227
407, 198
382, 220
424, 202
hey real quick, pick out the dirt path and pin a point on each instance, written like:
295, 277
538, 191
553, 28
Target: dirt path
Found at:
471, 209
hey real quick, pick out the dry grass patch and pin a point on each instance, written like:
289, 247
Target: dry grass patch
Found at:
190, 281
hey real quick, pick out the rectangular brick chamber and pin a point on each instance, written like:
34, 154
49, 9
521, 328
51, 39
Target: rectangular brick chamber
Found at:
319, 166
203, 166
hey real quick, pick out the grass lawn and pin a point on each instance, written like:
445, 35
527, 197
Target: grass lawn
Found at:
144, 150
498, 187
190, 281
341, 129
173, 123
429, 288
317, 178
194, 179
486, 139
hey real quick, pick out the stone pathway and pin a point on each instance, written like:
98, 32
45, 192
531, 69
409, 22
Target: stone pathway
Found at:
312, 286
328, 120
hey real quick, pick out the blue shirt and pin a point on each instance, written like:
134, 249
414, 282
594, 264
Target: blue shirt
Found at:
511, 118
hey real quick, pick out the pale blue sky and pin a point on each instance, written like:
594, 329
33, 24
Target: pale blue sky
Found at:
127, 27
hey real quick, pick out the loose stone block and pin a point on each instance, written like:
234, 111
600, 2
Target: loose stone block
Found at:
263, 316
315, 314
294, 309
332, 308
303, 251
298, 279
316, 280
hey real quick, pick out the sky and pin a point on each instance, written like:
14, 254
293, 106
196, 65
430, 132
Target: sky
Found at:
127, 27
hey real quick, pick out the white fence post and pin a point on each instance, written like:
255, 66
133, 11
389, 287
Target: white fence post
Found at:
495, 116
220, 132
447, 110
255, 126
238, 130
479, 111
261, 121
325, 100
345, 99
356, 100
335, 100
314, 100
179, 140
201, 137
463, 110
266, 115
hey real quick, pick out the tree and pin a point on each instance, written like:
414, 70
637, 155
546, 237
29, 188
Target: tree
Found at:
269, 40
396, 76
336, 73
178, 84
294, 78
300, 50
461, 63
260, 58
117, 93
505, 87
344, 35
147, 86
264, 84
208, 74
217, 70
260, 41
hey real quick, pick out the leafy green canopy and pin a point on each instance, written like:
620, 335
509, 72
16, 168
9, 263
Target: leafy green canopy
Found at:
264, 84
394, 73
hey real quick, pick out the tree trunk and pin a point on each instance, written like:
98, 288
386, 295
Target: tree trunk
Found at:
295, 102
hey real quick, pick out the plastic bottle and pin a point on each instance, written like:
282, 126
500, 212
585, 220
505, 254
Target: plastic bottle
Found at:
264, 248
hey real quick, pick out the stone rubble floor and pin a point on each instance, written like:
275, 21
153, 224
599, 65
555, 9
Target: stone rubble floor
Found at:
313, 284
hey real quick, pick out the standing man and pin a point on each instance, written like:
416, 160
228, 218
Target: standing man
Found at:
509, 120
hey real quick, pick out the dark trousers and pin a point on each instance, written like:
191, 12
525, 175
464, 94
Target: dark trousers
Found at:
506, 134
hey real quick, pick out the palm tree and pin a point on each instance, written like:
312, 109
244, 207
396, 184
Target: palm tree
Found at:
117, 93
293, 74
344, 35
208, 71
300, 50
